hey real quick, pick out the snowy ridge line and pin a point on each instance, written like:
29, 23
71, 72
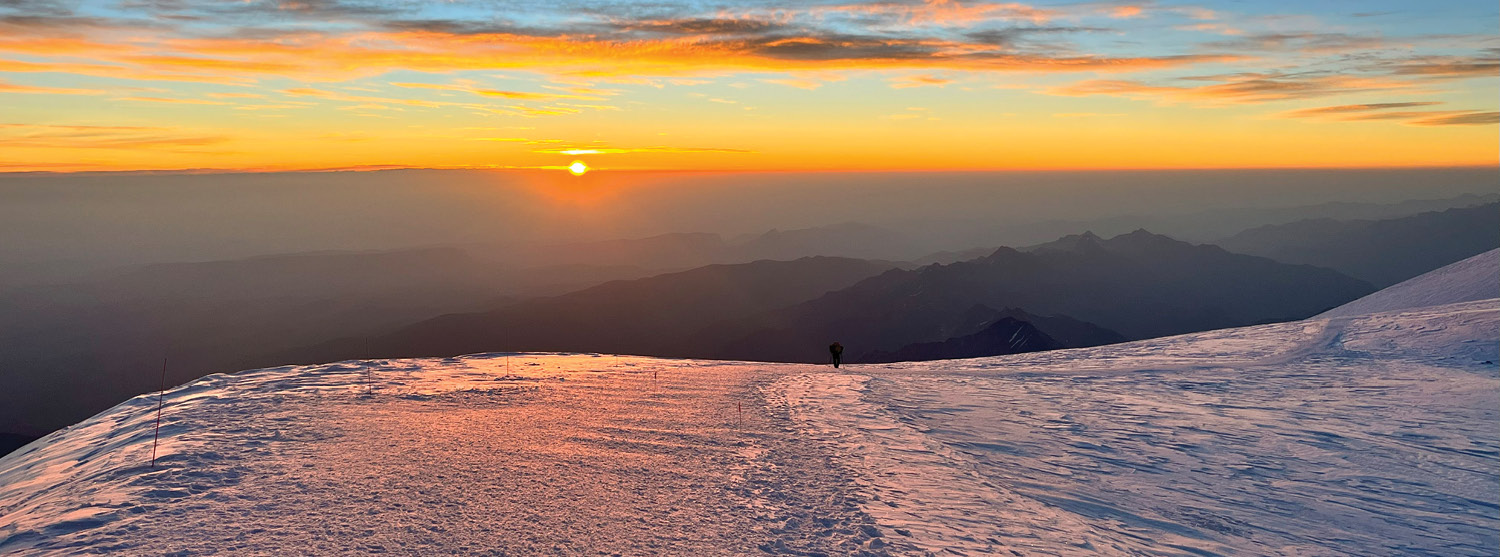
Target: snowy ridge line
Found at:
1475, 278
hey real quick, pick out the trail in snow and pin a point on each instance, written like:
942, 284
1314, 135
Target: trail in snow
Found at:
1364, 435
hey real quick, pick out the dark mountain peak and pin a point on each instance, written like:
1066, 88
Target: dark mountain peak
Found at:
1016, 313
696, 236
1142, 238
1131, 242
1088, 242
1005, 335
1001, 254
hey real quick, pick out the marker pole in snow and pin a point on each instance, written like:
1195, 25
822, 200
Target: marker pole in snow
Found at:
160, 396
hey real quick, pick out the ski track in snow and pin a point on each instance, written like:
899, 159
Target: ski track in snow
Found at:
1354, 435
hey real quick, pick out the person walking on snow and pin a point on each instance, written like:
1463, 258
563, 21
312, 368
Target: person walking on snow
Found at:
836, 353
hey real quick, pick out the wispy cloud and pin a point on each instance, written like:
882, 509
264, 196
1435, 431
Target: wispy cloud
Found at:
1317, 43
47, 136
945, 12
1396, 111
595, 94
168, 100
1354, 109
1234, 88
1461, 119
1447, 66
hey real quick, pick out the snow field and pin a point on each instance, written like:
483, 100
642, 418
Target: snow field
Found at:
1353, 435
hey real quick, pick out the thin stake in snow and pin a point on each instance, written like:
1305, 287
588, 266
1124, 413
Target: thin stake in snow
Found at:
160, 396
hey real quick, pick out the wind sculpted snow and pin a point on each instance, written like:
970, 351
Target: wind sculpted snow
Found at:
1362, 435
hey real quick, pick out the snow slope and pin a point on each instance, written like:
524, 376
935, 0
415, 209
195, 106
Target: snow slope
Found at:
1363, 435
1475, 278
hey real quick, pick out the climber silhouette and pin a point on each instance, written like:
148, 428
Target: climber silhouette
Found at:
836, 353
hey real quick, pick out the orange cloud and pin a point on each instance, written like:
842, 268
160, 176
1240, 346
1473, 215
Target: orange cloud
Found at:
798, 82
906, 82
7, 87
169, 100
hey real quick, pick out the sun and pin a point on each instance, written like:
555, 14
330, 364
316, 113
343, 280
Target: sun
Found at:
578, 168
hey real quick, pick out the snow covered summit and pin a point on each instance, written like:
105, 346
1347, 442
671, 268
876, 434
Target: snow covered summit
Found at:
1370, 434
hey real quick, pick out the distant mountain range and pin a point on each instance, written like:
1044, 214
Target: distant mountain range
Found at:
927, 242
1078, 291
1137, 285
653, 316
681, 251
1204, 226
1381, 252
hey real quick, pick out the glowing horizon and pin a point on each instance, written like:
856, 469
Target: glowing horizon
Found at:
798, 86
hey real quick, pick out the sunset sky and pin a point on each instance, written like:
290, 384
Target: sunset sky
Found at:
793, 85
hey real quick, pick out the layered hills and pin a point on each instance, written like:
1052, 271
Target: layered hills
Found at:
1381, 252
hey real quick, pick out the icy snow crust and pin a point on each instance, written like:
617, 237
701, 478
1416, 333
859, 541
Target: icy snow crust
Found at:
1354, 435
